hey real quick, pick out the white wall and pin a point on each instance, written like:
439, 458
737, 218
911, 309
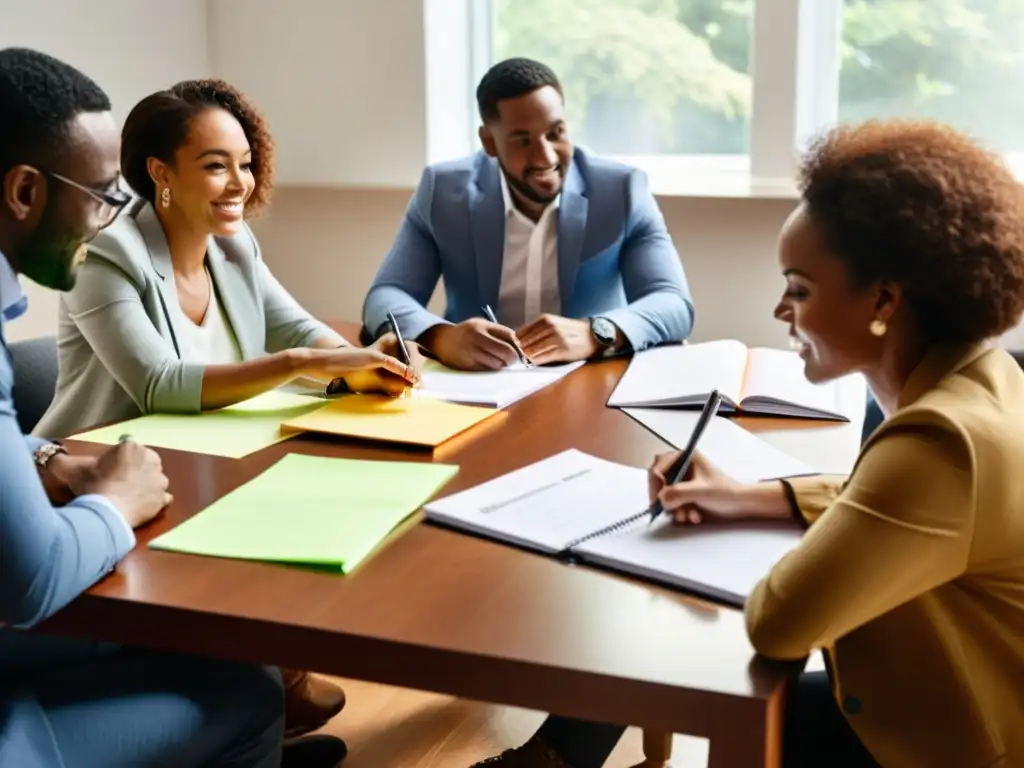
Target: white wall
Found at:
130, 47
346, 91
341, 82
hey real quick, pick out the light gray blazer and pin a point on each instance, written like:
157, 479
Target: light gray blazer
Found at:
119, 327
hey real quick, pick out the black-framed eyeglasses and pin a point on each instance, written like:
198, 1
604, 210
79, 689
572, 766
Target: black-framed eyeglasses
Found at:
111, 202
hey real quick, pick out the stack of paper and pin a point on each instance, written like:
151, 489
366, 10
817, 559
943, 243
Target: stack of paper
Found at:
738, 453
408, 420
234, 432
494, 389
330, 513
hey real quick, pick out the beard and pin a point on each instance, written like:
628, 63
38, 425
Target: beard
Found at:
524, 189
51, 255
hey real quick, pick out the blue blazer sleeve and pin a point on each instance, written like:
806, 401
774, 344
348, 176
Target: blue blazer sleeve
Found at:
48, 556
410, 270
660, 307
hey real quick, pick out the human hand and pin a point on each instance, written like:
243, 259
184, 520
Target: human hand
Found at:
473, 345
362, 369
131, 477
706, 493
65, 475
555, 339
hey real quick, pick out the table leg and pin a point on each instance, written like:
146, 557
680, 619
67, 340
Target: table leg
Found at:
657, 749
751, 739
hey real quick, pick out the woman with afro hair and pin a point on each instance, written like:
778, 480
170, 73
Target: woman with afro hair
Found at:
903, 260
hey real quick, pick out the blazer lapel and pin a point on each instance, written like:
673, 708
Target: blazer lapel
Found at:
572, 225
160, 255
487, 221
236, 300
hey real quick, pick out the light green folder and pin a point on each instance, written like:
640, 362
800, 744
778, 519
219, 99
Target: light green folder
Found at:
311, 510
235, 431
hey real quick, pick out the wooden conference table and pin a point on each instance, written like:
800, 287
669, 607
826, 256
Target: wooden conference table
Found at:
446, 612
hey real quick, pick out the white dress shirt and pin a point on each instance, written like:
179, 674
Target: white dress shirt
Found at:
529, 265
212, 342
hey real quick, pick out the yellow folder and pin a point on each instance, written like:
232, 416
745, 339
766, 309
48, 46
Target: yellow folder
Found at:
413, 420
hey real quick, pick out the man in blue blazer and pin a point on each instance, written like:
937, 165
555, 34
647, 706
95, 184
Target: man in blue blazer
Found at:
65, 521
570, 250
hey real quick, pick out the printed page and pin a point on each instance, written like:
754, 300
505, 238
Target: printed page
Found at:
740, 454
682, 375
547, 504
719, 561
495, 389
778, 375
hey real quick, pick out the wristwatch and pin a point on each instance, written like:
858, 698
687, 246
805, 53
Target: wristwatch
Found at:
604, 332
44, 453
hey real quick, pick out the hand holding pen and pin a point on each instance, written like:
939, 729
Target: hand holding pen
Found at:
523, 359
679, 464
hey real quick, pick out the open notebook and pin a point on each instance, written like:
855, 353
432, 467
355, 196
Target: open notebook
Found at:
759, 381
586, 508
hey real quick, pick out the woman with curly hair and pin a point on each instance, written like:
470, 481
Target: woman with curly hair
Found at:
174, 309
904, 259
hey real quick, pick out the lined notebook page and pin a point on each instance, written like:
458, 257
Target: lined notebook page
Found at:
683, 372
722, 562
547, 504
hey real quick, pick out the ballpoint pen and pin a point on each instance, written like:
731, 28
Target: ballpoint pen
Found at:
677, 471
486, 310
403, 351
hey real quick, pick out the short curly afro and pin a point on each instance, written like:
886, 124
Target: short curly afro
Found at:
921, 205
159, 124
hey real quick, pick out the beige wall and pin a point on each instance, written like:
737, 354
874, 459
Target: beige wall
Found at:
324, 246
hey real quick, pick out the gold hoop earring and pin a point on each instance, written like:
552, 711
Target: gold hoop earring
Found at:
878, 328
165, 197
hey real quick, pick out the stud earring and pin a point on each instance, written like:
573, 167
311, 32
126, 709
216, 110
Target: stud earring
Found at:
165, 197
878, 328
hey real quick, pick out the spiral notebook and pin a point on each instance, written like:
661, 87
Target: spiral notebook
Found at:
579, 507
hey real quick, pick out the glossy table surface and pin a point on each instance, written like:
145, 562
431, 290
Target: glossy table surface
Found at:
443, 611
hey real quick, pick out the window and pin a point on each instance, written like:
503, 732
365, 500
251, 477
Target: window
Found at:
678, 86
959, 61
642, 77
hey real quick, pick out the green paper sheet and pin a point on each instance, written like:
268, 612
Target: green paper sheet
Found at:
310, 510
234, 432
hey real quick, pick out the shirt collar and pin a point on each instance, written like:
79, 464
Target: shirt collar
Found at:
13, 301
510, 206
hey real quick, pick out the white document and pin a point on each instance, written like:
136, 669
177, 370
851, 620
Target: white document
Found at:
761, 381
494, 389
740, 454
552, 504
549, 504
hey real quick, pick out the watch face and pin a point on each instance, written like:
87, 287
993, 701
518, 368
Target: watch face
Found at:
603, 330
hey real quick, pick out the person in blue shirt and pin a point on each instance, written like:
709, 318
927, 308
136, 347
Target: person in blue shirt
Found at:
66, 521
569, 250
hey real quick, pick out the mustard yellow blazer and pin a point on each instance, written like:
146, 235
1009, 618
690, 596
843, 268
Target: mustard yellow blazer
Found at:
911, 575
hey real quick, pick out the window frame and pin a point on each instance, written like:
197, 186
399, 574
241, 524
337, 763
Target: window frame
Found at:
795, 82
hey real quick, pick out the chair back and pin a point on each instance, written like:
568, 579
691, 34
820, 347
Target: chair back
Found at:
35, 378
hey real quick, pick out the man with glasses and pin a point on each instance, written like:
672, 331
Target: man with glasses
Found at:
66, 521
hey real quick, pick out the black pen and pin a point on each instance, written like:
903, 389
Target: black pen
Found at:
403, 351
677, 471
486, 309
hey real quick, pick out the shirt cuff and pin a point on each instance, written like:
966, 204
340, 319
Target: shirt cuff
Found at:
794, 507
125, 542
